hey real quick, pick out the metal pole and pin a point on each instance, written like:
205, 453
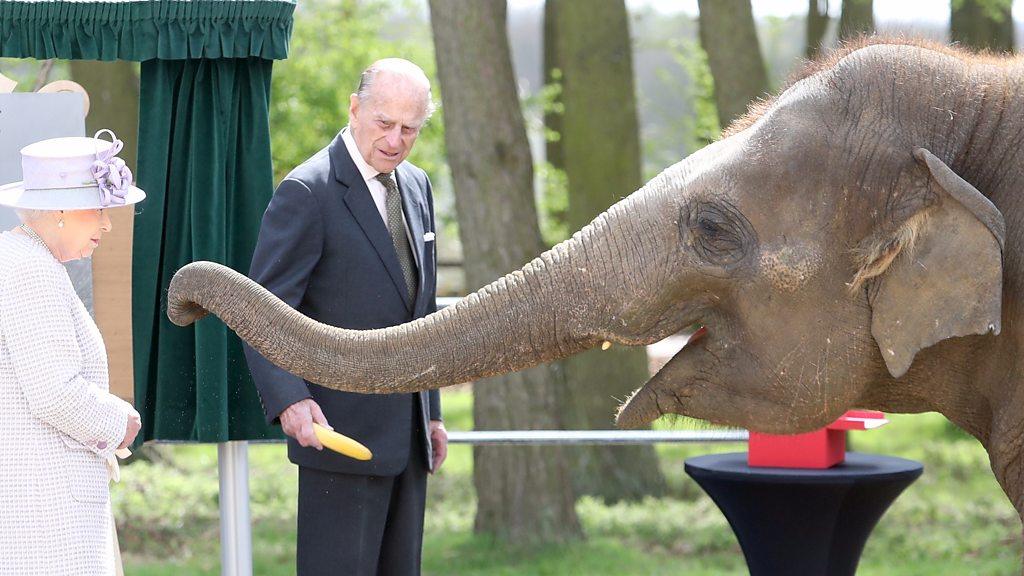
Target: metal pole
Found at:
235, 526
604, 437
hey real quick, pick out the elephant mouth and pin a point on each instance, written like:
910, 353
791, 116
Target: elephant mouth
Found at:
654, 398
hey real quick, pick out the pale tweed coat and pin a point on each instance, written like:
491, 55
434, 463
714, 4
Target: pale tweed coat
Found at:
58, 423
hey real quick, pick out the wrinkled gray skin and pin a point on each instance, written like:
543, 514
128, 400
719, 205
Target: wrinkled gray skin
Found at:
756, 237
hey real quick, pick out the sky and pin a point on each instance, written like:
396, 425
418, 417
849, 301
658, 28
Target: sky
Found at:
885, 10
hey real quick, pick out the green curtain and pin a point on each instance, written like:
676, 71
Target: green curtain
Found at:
204, 161
165, 29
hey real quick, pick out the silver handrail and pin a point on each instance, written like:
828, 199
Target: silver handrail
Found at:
600, 437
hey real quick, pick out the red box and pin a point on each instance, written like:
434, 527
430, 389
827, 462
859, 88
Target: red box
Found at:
822, 448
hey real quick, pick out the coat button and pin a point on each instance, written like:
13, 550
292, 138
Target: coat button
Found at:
101, 445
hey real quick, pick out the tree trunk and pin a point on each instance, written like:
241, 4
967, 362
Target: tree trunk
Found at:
524, 494
602, 164
817, 24
982, 24
857, 17
728, 35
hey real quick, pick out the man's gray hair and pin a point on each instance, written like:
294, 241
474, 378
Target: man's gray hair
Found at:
369, 76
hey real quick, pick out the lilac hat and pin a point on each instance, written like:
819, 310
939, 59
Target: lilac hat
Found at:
72, 174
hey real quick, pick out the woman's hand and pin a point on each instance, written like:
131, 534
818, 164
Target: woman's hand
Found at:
131, 429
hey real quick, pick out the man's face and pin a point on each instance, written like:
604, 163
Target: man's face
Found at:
387, 124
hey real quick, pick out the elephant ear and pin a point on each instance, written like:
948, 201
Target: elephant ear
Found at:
939, 275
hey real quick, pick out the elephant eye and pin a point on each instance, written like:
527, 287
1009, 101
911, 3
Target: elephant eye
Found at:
718, 233
709, 227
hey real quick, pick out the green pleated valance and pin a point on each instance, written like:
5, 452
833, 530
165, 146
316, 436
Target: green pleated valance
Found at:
143, 30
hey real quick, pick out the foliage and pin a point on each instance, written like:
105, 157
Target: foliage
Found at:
552, 203
702, 128
26, 72
688, 120
553, 192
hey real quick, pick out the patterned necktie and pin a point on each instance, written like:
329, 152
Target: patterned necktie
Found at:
396, 226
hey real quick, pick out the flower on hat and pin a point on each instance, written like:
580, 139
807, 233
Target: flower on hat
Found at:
112, 175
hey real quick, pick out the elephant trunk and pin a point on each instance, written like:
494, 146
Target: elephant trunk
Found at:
533, 315
571, 298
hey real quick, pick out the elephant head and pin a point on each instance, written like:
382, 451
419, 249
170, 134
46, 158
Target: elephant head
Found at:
829, 240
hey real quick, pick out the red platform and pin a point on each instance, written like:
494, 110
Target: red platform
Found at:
822, 448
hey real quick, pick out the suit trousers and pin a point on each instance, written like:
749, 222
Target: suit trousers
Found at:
353, 525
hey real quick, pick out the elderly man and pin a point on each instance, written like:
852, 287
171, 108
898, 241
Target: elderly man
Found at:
348, 239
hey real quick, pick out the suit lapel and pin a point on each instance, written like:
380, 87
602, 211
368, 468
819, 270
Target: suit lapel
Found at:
360, 203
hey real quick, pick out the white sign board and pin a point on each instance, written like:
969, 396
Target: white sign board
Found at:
27, 117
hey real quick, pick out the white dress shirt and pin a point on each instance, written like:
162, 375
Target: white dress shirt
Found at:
377, 190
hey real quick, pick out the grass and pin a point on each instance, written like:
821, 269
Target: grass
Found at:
953, 520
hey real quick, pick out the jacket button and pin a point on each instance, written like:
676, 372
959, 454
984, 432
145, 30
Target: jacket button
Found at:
101, 445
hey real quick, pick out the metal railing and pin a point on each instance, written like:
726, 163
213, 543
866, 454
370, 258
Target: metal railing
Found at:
600, 437
445, 301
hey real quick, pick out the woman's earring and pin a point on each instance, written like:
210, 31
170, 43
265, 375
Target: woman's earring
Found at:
60, 223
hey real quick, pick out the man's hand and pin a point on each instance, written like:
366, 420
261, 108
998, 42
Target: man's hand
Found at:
439, 441
297, 422
131, 429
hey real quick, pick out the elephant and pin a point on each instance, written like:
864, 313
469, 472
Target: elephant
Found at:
852, 242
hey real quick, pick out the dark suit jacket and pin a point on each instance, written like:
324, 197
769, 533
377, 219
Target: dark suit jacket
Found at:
325, 250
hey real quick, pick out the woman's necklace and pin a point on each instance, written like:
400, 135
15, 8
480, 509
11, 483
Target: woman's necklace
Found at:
35, 236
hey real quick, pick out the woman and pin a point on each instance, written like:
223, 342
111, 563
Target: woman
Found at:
59, 425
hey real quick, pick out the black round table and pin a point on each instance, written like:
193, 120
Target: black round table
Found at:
799, 521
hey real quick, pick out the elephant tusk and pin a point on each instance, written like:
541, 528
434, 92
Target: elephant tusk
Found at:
606, 345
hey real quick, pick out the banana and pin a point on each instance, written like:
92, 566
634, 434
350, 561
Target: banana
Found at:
341, 444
